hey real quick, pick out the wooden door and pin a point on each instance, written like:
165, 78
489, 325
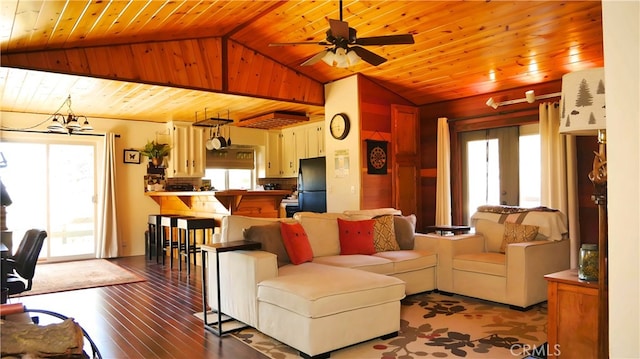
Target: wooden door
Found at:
405, 129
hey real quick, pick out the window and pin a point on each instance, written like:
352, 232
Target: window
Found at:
501, 166
222, 179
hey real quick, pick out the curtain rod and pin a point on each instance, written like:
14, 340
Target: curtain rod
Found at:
54, 133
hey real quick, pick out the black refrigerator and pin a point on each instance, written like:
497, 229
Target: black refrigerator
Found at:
312, 185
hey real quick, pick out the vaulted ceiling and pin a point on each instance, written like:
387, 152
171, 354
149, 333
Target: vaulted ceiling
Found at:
163, 60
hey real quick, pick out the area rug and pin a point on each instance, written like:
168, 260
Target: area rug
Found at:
439, 326
64, 276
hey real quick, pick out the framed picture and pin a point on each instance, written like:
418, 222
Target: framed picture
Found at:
131, 156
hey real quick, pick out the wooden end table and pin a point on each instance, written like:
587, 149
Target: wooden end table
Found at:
217, 248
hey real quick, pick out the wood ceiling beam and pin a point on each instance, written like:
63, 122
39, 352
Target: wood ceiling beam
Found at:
206, 64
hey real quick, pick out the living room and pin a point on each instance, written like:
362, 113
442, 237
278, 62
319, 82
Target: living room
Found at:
621, 143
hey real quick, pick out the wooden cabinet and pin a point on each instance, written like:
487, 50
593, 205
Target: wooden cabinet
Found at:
572, 316
188, 156
286, 147
315, 140
289, 153
274, 154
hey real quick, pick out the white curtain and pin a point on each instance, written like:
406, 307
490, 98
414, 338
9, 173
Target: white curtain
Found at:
443, 178
558, 170
108, 226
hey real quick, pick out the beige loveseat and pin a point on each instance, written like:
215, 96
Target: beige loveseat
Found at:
484, 265
331, 301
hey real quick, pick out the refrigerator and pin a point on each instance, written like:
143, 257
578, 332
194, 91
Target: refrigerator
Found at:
312, 185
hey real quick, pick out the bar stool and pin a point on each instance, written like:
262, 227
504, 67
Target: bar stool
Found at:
169, 224
154, 242
187, 228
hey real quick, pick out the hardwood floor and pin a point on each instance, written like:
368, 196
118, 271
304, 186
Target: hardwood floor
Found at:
150, 319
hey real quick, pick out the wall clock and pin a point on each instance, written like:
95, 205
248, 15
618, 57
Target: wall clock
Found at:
339, 126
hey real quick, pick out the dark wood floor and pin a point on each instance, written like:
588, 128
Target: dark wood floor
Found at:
150, 319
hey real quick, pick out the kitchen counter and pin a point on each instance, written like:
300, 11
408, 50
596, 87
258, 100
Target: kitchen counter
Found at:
219, 203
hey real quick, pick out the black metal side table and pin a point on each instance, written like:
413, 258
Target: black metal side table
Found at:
452, 229
216, 326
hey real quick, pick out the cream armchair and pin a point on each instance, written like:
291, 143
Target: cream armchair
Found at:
474, 265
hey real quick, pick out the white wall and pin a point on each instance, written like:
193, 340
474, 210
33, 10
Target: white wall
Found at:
622, 79
343, 193
133, 205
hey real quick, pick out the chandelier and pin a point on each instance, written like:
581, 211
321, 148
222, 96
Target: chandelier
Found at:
69, 123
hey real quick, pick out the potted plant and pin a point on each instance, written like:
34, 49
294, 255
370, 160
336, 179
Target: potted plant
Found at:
155, 151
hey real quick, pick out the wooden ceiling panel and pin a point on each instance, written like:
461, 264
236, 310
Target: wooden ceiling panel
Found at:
462, 49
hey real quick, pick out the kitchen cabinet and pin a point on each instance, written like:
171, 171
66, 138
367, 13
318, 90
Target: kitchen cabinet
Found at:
188, 156
315, 140
286, 147
289, 153
274, 154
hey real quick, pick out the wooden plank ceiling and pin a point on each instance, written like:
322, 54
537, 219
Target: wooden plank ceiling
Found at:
163, 60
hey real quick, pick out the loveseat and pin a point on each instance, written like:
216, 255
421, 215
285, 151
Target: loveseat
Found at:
331, 299
506, 259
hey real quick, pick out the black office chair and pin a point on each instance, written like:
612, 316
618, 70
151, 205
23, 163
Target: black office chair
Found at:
22, 266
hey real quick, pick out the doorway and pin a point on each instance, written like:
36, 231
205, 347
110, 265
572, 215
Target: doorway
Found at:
52, 185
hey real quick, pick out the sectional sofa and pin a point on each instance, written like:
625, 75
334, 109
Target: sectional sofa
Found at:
338, 293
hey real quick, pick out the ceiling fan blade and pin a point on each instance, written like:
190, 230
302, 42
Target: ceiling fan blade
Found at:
386, 40
368, 56
315, 58
339, 28
323, 43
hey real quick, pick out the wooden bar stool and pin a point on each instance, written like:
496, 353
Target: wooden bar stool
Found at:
169, 225
187, 228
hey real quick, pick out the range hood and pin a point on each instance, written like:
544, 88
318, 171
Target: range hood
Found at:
273, 120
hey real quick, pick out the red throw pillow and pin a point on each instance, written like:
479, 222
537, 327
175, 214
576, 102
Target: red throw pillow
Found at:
296, 242
356, 237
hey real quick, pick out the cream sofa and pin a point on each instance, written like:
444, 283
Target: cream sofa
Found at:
473, 264
330, 302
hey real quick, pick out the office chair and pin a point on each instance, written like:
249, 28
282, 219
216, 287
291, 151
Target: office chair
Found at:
21, 267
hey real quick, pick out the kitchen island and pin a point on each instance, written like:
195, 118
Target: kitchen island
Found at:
216, 204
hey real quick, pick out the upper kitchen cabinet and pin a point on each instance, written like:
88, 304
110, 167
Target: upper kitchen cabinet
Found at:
315, 140
188, 156
274, 154
289, 152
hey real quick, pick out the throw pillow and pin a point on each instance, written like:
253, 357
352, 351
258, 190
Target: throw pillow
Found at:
405, 228
296, 242
271, 239
493, 234
516, 233
384, 234
356, 237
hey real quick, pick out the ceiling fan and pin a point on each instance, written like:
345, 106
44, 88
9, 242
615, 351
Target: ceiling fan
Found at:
344, 48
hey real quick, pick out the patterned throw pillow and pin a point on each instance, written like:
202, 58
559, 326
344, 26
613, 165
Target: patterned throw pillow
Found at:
384, 234
516, 233
356, 237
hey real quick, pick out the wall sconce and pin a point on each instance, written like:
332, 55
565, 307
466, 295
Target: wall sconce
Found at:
69, 124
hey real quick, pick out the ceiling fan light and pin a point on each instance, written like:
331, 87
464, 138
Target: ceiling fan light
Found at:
329, 58
352, 58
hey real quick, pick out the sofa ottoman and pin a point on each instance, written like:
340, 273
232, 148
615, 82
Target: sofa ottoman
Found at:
344, 307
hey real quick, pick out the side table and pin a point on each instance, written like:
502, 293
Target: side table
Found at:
453, 229
216, 326
572, 316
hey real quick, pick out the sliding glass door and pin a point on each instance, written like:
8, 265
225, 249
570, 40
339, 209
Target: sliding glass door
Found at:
52, 186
